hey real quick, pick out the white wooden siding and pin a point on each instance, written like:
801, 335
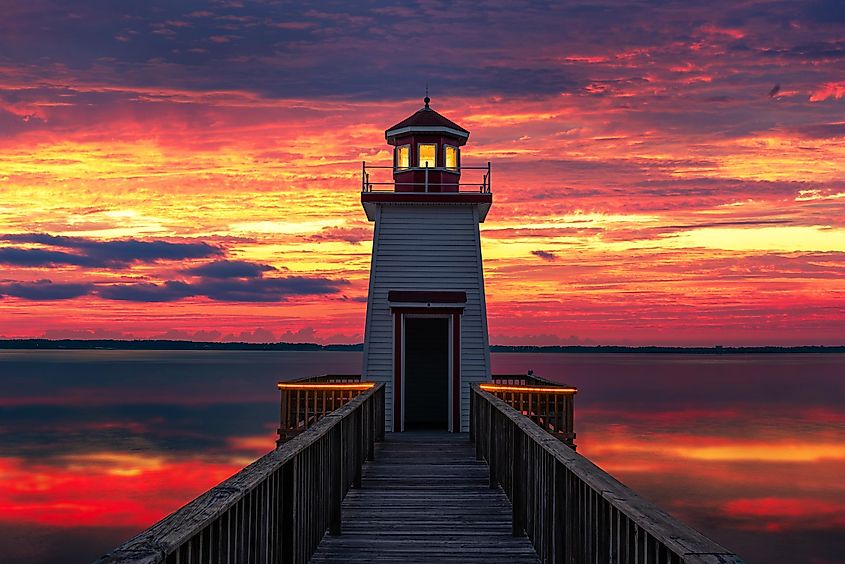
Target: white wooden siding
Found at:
426, 247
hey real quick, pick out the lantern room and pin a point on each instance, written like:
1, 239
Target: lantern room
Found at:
427, 152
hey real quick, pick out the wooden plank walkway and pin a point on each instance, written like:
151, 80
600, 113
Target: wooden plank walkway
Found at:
424, 499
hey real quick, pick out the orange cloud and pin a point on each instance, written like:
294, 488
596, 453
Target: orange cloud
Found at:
835, 90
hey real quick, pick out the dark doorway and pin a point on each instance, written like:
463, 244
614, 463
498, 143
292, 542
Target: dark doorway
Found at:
426, 373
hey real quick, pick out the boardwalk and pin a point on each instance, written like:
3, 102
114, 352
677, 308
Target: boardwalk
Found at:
424, 499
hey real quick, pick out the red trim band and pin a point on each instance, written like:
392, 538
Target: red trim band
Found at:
426, 197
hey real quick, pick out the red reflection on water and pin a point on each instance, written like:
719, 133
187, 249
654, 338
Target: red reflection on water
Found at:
113, 488
107, 489
729, 466
778, 514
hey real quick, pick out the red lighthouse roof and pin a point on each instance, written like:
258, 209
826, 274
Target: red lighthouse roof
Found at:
426, 120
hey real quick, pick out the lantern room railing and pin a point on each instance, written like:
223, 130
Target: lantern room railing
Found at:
480, 183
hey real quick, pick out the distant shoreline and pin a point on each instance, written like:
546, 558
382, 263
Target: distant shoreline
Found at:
165, 345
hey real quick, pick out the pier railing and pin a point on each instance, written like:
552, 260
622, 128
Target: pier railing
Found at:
571, 509
548, 404
304, 402
278, 508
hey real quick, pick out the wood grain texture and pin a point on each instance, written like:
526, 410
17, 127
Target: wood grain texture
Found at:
425, 498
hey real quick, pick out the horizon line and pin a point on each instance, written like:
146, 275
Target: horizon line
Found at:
174, 344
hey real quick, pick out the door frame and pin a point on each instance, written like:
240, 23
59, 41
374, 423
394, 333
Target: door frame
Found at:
454, 381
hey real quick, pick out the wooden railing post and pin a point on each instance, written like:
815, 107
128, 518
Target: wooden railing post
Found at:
371, 429
492, 462
336, 492
287, 517
471, 413
381, 418
517, 500
283, 417
358, 433
479, 429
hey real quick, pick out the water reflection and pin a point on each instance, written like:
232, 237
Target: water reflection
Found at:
748, 449
97, 445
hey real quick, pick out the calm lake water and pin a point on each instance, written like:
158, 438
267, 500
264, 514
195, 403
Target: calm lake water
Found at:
97, 445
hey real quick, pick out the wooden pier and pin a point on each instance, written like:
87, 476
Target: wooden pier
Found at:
425, 498
341, 490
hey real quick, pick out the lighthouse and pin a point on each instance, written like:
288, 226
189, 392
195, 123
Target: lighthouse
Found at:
425, 336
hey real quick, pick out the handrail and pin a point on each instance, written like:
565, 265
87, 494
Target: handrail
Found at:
278, 508
571, 509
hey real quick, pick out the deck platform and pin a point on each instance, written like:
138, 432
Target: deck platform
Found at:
424, 499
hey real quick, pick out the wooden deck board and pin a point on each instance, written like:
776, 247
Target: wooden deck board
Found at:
425, 498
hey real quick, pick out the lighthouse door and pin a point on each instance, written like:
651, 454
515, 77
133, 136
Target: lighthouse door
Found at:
426, 373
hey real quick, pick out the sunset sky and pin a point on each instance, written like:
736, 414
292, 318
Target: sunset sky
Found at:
662, 173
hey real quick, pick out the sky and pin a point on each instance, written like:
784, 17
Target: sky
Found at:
663, 172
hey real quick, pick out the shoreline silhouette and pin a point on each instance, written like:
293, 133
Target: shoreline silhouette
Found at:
161, 344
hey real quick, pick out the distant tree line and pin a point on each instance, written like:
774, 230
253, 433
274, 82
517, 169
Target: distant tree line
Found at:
159, 344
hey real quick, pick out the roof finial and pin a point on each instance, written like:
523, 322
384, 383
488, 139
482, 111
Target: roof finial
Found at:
426, 99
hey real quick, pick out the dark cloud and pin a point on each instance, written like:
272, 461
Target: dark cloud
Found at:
42, 257
819, 50
820, 130
231, 269
545, 255
94, 253
227, 290
234, 290
267, 289
825, 11
44, 290
657, 232
347, 234
734, 223
147, 292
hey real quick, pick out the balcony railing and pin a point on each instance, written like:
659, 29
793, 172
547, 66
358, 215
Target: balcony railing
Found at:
548, 404
305, 401
477, 185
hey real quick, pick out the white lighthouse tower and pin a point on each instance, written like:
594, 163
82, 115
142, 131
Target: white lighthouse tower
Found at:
426, 329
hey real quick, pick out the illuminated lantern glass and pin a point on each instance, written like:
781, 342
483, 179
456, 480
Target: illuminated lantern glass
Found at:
427, 155
403, 156
451, 157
